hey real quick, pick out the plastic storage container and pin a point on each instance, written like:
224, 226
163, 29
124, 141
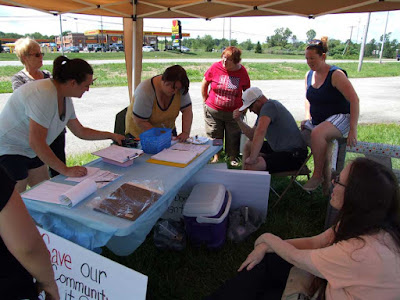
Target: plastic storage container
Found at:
155, 139
206, 214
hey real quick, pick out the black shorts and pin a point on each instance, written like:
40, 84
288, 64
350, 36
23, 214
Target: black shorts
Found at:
282, 161
17, 166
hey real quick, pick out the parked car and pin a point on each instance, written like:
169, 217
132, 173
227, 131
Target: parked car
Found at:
94, 48
6, 49
117, 47
147, 49
72, 49
183, 49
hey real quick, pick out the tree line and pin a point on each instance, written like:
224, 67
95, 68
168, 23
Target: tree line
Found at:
283, 41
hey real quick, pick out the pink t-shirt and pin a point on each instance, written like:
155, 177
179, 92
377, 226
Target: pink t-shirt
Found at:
226, 87
358, 270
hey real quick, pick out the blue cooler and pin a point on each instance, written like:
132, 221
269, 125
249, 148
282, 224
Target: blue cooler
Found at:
206, 214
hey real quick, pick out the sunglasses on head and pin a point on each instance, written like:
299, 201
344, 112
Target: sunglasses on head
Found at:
37, 54
316, 44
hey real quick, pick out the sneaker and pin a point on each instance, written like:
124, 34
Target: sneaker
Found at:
234, 163
312, 184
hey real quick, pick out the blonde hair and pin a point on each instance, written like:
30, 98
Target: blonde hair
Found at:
23, 46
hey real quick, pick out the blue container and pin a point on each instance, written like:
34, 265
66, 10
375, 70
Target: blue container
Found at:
155, 139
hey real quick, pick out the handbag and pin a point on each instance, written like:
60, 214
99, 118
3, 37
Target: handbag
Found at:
297, 285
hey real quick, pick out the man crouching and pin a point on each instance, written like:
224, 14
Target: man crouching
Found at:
275, 142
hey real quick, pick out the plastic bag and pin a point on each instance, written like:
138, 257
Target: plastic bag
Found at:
169, 234
243, 221
129, 200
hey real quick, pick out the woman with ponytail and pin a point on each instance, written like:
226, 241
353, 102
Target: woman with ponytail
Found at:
331, 110
36, 114
357, 258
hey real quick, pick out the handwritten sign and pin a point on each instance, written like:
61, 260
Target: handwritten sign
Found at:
84, 275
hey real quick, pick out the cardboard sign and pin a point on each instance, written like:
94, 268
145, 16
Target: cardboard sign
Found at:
84, 275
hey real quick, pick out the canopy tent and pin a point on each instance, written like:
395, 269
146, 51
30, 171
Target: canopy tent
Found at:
133, 12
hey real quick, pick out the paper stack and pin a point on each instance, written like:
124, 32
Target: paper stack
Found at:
118, 155
178, 155
62, 194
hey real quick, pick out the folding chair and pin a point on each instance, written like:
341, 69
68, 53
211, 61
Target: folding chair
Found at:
302, 171
119, 125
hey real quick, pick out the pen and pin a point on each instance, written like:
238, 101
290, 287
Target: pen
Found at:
99, 181
129, 157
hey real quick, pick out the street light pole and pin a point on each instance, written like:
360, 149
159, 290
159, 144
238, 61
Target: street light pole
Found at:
61, 37
76, 24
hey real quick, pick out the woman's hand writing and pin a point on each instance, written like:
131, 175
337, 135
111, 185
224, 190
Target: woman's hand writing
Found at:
182, 137
76, 171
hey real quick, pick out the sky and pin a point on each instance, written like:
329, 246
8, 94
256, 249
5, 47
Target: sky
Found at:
339, 26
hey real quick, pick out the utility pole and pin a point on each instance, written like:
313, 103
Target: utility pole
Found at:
349, 41
102, 38
383, 38
360, 61
230, 30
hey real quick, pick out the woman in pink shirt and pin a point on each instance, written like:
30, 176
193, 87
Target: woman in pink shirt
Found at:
357, 258
222, 89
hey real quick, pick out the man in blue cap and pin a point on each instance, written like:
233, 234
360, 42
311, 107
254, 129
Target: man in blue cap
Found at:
275, 142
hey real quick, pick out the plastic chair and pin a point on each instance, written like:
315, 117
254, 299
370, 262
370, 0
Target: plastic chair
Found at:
302, 171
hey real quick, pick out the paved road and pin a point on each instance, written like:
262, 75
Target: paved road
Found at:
379, 102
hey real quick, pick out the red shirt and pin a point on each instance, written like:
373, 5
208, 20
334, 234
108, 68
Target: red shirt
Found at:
226, 87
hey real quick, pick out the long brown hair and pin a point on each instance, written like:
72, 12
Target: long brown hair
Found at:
371, 204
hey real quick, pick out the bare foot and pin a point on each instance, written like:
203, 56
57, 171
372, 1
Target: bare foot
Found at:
215, 159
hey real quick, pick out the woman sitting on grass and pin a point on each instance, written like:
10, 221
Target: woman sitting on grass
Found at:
357, 258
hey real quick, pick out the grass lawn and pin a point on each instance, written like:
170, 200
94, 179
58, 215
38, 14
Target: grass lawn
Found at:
196, 272
114, 74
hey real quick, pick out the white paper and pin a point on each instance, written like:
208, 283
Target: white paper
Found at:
118, 153
198, 140
77, 193
101, 177
175, 156
62, 194
47, 191
197, 149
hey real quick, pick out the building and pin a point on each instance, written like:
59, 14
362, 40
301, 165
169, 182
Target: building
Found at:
72, 39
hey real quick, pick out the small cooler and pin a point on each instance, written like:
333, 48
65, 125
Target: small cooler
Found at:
206, 214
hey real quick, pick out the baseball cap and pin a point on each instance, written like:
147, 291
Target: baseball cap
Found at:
250, 96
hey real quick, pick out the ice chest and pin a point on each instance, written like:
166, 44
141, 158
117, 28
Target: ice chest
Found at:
206, 214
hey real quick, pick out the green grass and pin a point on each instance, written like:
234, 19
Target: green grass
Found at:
195, 273
115, 74
155, 54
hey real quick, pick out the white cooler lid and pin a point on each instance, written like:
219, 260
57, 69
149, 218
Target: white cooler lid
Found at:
205, 200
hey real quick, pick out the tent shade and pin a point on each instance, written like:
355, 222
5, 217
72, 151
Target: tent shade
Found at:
206, 9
